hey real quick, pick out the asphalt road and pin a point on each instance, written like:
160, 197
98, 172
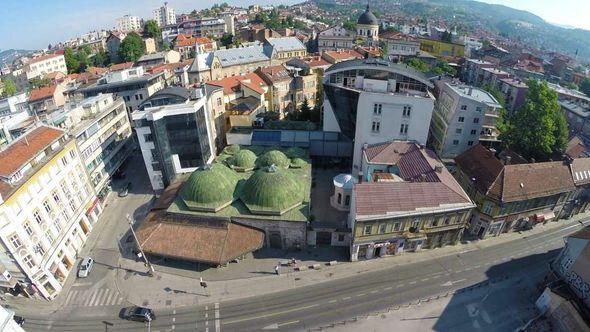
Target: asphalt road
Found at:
332, 301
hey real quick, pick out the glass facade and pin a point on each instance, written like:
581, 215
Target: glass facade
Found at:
344, 104
184, 135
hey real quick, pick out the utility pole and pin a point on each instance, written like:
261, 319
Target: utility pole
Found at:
151, 270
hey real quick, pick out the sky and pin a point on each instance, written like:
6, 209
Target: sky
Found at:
33, 24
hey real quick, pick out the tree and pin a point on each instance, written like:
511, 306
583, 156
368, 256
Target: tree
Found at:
131, 48
9, 87
305, 109
227, 39
165, 46
72, 62
585, 86
539, 129
101, 59
192, 54
447, 37
36, 83
152, 30
417, 64
349, 25
443, 67
572, 86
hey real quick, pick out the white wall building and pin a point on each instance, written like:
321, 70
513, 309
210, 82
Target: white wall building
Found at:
373, 101
47, 209
45, 64
164, 15
175, 139
13, 111
102, 130
463, 116
7, 322
128, 23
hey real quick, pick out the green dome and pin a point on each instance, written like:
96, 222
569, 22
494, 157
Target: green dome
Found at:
298, 163
274, 157
244, 159
232, 149
272, 191
209, 188
257, 149
295, 152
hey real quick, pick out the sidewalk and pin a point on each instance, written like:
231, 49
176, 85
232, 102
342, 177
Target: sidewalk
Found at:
172, 290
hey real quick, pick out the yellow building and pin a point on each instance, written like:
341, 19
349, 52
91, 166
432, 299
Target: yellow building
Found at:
47, 210
442, 49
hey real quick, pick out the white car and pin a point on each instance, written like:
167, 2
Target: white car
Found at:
85, 266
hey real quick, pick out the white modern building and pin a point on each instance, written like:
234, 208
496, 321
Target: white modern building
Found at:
463, 116
47, 210
14, 111
372, 101
335, 38
103, 135
175, 139
7, 322
165, 15
45, 64
128, 23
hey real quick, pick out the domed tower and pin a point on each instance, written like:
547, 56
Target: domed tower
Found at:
367, 27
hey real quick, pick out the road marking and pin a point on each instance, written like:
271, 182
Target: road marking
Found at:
399, 286
374, 291
86, 304
413, 282
70, 296
275, 326
435, 277
217, 325
425, 279
272, 314
99, 294
82, 284
361, 294
110, 298
477, 266
346, 298
387, 288
469, 269
119, 300
332, 301
450, 283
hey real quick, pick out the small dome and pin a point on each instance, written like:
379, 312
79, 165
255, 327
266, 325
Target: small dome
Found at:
273, 157
244, 159
272, 191
368, 18
295, 152
344, 181
257, 149
232, 149
209, 188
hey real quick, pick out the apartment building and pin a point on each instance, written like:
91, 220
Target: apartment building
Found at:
47, 210
211, 27
14, 111
165, 15
134, 85
510, 193
175, 139
463, 116
372, 101
46, 99
103, 135
113, 42
45, 64
335, 38
514, 91
472, 71
189, 46
400, 46
129, 23
407, 201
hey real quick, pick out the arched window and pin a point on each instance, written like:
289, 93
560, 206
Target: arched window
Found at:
339, 198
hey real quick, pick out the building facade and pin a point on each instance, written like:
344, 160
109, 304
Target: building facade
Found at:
129, 23
47, 209
45, 64
367, 28
373, 101
407, 201
335, 38
164, 15
463, 116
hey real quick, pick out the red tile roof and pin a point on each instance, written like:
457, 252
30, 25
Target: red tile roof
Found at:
120, 66
482, 167
576, 148
275, 73
197, 239
581, 171
232, 84
342, 55
42, 93
387, 152
26, 147
183, 40
97, 70
317, 61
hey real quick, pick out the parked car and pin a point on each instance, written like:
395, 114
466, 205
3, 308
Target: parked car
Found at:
19, 320
125, 191
85, 266
139, 314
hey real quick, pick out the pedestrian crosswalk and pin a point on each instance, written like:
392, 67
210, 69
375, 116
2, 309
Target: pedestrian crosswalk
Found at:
93, 298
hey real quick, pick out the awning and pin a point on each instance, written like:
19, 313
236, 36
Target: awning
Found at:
544, 216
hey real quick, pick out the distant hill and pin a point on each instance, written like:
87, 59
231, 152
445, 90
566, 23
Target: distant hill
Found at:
8, 56
516, 24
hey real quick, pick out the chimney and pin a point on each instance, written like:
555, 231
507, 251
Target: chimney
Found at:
438, 168
470, 90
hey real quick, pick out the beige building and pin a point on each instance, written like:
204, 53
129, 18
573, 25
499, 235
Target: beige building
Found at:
150, 45
46, 99
45, 64
129, 23
47, 210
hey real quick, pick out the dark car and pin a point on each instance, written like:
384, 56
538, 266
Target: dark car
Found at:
125, 191
139, 314
19, 320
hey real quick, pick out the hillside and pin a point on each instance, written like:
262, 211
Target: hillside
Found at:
7, 56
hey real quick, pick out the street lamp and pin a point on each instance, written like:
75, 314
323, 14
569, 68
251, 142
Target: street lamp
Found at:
151, 270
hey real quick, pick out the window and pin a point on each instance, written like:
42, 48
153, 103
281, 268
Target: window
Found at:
347, 200
28, 261
382, 228
376, 126
475, 120
463, 107
377, 108
458, 130
64, 161
455, 142
15, 241
473, 132
404, 128
49, 236
57, 227
72, 154
447, 221
218, 101
339, 198
340, 237
368, 230
397, 226
461, 119
47, 206
406, 111
434, 222
469, 143
148, 137
37, 217
478, 109
416, 223
56, 198
28, 228
487, 207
